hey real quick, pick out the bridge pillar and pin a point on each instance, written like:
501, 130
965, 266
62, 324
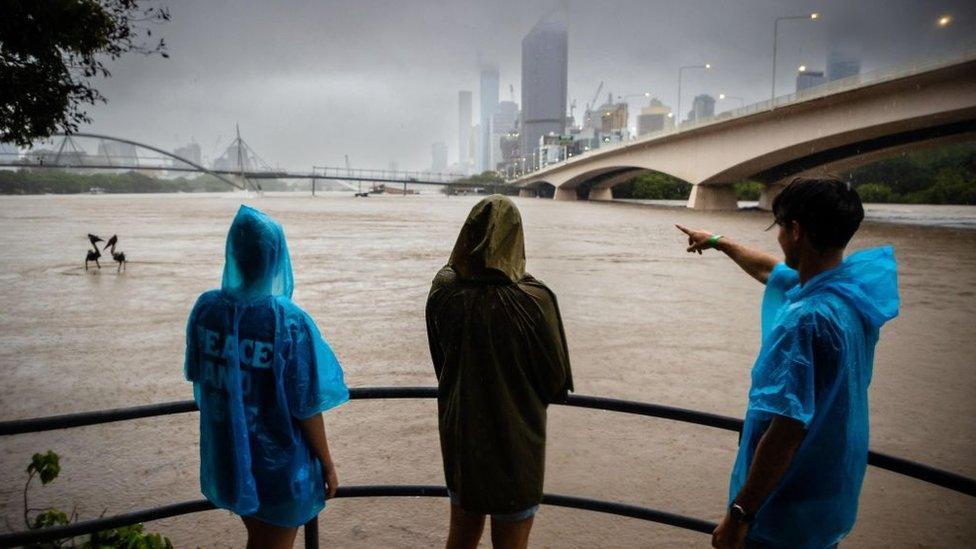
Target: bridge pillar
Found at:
601, 194
565, 194
768, 194
526, 192
713, 197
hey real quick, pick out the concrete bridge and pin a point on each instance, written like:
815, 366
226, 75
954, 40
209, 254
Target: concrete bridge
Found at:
832, 127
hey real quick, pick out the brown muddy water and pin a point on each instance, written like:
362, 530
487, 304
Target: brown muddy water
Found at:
645, 321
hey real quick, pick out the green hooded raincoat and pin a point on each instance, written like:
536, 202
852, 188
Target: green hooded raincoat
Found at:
499, 352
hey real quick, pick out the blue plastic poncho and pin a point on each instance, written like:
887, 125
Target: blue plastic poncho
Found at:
815, 367
259, 365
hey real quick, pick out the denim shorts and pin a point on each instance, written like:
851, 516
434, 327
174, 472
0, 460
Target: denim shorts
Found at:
517, 516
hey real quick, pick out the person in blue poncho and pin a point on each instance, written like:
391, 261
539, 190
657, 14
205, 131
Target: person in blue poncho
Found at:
804, 446
262, 376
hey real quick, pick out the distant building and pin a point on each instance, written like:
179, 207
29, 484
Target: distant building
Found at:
475, 145
545, 55
235, 158
554, 148
702, 107
489, 104
809, 79
464, 129
841, 65
654, 118
114, 153
611, 116
190, 152
438, 153
503, 123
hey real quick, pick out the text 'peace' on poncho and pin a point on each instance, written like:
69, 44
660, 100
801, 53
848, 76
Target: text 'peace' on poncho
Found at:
259, 365
499, 352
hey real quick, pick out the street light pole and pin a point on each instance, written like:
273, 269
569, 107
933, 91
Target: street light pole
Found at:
681, 70
811, 17
741, 101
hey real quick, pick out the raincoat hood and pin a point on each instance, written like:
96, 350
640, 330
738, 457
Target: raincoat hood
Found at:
256, 257
491, 245
867, 280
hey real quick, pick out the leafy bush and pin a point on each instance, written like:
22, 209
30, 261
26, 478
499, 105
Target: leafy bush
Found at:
748, 190
47, 467
943, 175
61, 182
873, 193
654, 186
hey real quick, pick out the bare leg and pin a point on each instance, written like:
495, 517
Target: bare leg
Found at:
466, 529
510, 535
261, 535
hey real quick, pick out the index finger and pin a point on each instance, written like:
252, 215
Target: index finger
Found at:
683, 229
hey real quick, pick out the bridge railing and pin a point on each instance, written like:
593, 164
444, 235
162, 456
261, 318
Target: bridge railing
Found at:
925, 473
828, 88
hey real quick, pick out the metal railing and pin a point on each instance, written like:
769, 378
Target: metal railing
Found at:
920, 471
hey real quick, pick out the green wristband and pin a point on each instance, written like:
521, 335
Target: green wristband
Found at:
713, 240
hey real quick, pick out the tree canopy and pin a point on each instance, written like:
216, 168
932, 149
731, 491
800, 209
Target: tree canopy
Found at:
51, 50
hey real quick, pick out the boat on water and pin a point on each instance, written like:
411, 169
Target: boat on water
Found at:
96, 190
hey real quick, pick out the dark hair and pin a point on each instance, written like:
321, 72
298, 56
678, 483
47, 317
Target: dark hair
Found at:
828, 209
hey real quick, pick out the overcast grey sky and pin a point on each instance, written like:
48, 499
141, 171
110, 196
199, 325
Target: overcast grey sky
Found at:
378, 79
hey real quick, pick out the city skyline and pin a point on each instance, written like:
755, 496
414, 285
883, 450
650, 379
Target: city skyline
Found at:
309, 94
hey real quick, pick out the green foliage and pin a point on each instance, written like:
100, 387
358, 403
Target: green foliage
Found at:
127, 537
874, 193
493, 182
943, 175
748, 190
50, 517
62, 182
46, 465
654, 186
51, 50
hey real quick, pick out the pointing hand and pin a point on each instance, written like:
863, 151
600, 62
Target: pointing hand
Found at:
698, 239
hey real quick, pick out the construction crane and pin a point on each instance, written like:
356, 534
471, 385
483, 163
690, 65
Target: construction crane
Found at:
592, 104
587, 116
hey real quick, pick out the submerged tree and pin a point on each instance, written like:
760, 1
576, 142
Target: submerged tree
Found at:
50, 50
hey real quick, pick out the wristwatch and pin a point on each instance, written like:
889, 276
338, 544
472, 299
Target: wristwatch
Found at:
739, 514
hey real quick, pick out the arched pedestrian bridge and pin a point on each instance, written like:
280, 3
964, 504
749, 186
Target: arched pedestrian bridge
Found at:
833, 127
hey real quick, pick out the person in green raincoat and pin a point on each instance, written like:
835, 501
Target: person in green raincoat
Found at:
499, 352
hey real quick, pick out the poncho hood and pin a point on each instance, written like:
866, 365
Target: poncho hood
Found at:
491, 245
868, 280
256, 257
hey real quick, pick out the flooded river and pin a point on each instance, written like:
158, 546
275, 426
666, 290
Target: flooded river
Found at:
645, 321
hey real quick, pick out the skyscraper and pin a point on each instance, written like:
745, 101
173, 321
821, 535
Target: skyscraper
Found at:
809, 79
841, 65
438, 153
464, 129
653, 118
702, 107
502, 123
544, 78
489, 104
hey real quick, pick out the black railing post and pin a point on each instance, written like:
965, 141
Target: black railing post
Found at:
312, 533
